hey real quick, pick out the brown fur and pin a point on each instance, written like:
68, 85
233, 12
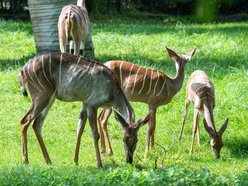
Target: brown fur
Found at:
70, 78
200, 91
73, 25
154, 89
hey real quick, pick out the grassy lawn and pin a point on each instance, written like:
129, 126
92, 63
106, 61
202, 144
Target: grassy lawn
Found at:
221, 53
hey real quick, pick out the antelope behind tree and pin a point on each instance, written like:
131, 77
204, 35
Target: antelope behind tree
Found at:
200, 91
73, 25
70, 78
145, 85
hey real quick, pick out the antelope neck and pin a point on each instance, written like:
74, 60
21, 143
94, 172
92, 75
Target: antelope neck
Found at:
209, 118
178, 80
124, 107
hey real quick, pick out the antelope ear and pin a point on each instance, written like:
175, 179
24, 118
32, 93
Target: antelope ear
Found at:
144, 120
120, 120
173, 54
223, 127
208, 129
189, 55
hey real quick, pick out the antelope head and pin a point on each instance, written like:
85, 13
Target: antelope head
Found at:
130, 137
182, 60
216, 138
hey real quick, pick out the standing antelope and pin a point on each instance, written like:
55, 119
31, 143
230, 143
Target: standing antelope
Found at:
200, 91
70, 78
73, 25
145, 85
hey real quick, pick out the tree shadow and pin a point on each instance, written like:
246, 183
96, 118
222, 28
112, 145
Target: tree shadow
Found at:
156, 27
15, 63
16, 25
201, 60
211, 65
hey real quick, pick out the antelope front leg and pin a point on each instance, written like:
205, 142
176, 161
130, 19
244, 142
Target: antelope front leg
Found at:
103, 122
33, 112
184, 117
37, 126
25, 122
92, 115
80, 130
150, 133
102, 138
194, 130
198, 134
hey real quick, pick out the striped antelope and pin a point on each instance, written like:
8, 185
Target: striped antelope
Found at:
73, 25
200, 91
70, 78
145, 85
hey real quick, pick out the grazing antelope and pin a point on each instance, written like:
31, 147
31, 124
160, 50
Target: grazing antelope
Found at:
145, 85
73, 25
70, 78
200, 91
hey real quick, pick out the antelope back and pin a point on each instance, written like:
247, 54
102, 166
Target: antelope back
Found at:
200, 89
72, 78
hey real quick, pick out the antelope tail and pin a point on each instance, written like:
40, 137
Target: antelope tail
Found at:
22, 81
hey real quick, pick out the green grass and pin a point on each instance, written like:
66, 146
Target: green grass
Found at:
221, 53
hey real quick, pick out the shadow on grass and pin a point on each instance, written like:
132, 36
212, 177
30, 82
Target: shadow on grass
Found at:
14, 63
200, 60
238, 148
160, 27
220, 67
14, 26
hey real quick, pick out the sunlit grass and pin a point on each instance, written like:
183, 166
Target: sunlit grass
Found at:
221, 53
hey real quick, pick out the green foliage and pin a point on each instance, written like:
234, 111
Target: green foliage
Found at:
221, 53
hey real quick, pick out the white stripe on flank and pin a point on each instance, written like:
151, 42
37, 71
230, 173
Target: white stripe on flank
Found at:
38, 78
29, 73
92, 70
154, 91
150, 86
31, 79
129, 76
88, 66
60, 64
83, 71
43, 70
50, 65
135, 79
162, 88
121, 72
143, 82
76, 64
